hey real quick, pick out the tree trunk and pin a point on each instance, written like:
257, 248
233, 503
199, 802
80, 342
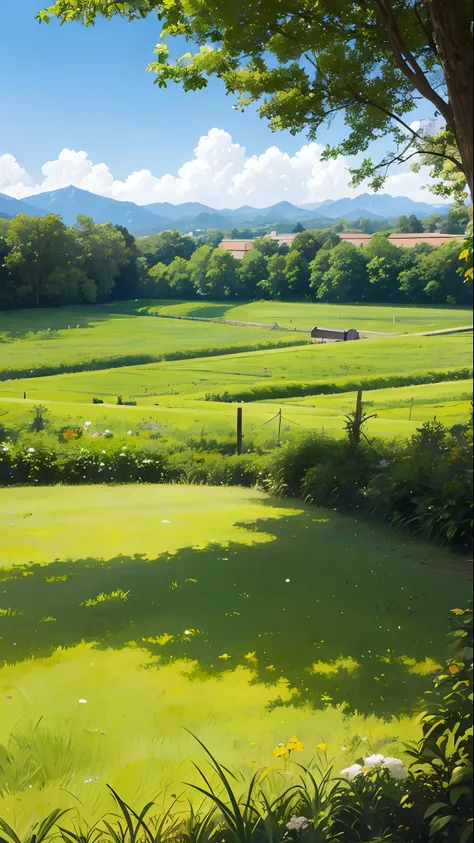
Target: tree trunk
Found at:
452, 32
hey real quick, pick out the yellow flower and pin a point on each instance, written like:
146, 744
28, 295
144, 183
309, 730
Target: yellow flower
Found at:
460, 611
366, 768
280, 751
294, 745
322, 746
224, 656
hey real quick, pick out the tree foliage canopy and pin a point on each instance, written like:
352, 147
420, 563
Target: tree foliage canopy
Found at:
303, 62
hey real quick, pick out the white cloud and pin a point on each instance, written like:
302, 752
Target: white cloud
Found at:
220, 174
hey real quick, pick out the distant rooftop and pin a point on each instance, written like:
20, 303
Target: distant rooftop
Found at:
238, 248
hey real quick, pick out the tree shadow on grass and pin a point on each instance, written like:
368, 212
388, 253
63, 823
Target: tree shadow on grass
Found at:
28, 322
329, 617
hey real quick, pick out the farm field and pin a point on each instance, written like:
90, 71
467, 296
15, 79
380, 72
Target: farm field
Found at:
33, 339
130, 612
305, 315
258, 374
449, 401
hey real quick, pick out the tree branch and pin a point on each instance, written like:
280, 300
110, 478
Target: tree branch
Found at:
408, 64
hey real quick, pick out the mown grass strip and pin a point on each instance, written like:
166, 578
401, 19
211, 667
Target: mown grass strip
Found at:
124, 360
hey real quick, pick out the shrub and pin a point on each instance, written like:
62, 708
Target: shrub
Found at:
423, 485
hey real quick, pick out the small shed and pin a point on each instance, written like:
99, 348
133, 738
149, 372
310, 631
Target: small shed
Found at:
319, 334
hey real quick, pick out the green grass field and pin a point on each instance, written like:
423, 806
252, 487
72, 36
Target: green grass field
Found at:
364, 317
253, 371
448, 401
128, 614
31, 339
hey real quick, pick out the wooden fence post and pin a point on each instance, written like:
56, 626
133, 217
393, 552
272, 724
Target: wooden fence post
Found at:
239, 430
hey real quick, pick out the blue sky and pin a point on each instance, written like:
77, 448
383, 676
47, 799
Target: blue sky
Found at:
87, 89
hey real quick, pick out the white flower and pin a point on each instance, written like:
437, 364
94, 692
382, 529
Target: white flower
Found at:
396, 768
102, 464
31, 450
373, 759
106, 432
5, 448
297, 823
352, 772
82, 701
87, 424
129, 432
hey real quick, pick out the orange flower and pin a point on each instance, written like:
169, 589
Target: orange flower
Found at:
453, 668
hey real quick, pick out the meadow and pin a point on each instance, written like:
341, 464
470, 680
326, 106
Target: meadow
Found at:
130, 613
399, 411
384, 318
258, 374
97, 337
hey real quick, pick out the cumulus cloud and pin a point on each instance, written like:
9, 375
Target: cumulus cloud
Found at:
220, 174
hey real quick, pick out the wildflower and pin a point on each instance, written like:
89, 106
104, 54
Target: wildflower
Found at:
294, 745
352, 772
453, 668
129, 432
87, 424
322, 746
372, 760
280, 751
454, 611
5, 448
102, 464
82, 701
31, 450
396, 767
297, 824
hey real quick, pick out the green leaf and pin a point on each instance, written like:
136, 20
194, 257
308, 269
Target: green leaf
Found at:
433, 809
440, 822
467, 832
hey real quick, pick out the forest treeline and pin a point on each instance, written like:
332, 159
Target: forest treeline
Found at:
45, 263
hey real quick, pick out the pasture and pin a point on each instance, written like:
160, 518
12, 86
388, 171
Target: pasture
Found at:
128, 613
384, 318
258, 374
31, 340
399, 412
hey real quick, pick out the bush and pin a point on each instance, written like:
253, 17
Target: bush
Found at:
423, 485
110, 462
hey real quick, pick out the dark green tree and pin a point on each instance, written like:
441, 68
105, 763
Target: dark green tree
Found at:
275, 285
252, 270
165, 247
38, 249
339, 274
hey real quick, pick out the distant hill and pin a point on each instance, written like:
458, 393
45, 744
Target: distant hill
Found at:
175, 212
190, 217
10, 207
382, 205
71, 201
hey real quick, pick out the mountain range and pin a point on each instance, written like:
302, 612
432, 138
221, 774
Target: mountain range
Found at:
188, 217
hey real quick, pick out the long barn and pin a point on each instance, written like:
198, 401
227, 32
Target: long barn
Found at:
319, 334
